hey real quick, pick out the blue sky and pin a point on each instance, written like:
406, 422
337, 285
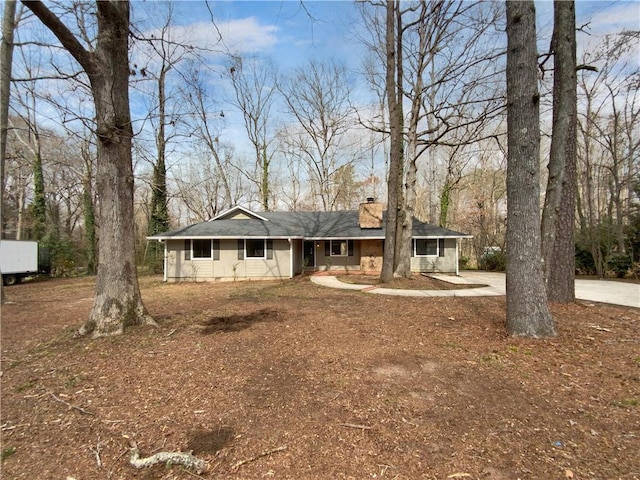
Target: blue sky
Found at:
287, 31
292, 30
290, 33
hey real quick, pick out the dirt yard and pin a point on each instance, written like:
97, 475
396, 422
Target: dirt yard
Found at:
291, 380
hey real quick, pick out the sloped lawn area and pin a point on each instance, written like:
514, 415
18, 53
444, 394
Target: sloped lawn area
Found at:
292, 380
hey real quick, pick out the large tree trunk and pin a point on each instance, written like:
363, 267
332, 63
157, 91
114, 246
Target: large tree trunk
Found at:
6, 62
38, 208
527, 310
159, 209
395, 211
558, 219
403, 263
118, 302
89, 213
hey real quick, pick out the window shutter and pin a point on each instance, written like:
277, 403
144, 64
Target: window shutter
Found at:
269, 249
441, 247
216, 249
187, 249
350, 248
413, 247
240, 249
327, 248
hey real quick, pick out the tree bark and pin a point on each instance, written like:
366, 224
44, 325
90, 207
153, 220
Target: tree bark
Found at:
89, 214
159, 208
558, 218
403, 262
117, 302
6, 62
38, 208
396, 150
527, 311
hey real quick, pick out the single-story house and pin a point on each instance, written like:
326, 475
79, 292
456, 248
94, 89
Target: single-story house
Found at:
240, 244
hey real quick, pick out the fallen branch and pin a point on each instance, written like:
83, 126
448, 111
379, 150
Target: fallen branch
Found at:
600, 329
96, 451
353, 425
7, 427
174, 458
75, 407
256, 457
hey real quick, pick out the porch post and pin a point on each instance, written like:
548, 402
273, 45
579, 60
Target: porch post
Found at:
290, 258
165, 262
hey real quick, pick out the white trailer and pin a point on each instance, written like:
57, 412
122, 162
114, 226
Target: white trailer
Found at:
18, 259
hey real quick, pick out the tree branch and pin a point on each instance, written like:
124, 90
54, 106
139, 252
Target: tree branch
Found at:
60, 30
179, 458
590, 68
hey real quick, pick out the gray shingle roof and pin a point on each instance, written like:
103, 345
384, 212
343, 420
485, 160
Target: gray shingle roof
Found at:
310, 225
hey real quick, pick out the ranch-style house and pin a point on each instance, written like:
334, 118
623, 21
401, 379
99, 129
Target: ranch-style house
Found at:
240, 245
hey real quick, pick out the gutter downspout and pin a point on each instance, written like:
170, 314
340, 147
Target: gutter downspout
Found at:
457, 263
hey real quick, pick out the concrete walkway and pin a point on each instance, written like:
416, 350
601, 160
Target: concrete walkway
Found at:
605, 291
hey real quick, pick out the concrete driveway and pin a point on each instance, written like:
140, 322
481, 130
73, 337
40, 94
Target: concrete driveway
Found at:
605, 291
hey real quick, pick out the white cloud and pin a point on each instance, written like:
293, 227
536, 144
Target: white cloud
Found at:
238, 36
605, 19
248, 36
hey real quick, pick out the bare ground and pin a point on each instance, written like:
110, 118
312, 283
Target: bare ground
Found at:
293, 380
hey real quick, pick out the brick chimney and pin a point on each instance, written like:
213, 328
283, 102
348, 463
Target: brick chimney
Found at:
370, 214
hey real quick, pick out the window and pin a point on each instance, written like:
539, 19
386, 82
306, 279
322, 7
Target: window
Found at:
341, 248
426, 247
255, 248
201, 248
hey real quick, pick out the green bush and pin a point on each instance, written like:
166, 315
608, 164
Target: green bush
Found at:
620, 264
493, 262
62, 255
584, 262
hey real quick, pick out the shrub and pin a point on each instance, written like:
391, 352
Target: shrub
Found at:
584, 261
620, 264
493, 262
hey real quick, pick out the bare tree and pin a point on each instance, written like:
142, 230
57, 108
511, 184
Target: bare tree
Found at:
6, 61
450, 89
200, 188
558, 217
160, 55
317, 95
609, 144
527, 310
207, 129
117, 303
30, 136
254, 86
393, 88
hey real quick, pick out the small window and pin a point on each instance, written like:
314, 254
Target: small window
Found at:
201, 248
255, 248
426, 247
216, 249
341, 248
338, 248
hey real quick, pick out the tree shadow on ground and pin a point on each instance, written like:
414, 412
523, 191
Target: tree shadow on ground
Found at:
210, 441
236, 323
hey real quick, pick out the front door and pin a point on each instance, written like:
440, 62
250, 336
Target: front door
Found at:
309, 254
